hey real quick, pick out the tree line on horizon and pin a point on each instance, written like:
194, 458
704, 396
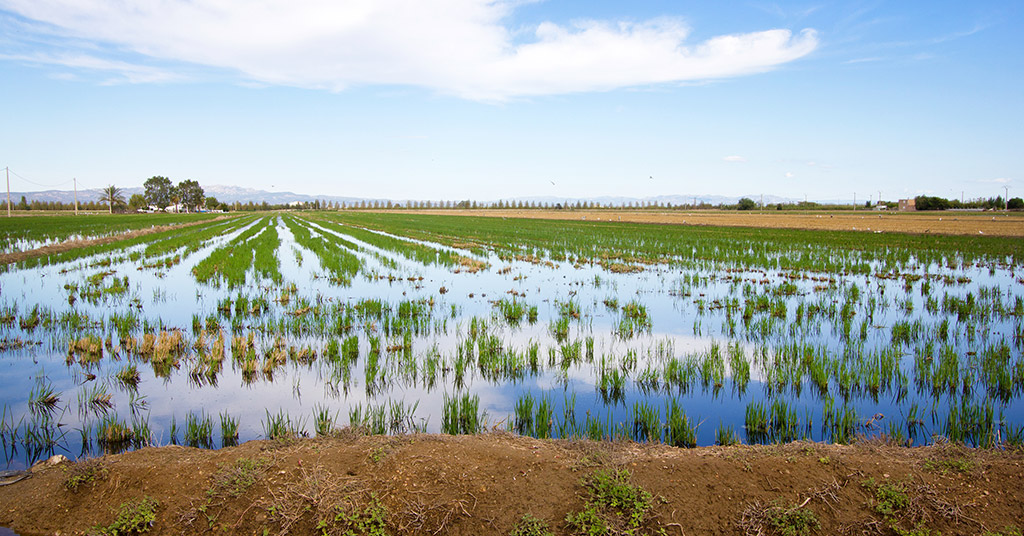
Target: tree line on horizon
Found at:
188, 196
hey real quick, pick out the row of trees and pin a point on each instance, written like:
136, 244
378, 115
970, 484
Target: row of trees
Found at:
925, 202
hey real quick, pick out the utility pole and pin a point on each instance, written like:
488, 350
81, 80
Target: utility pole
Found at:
1006, 197
7, 170
855, 201
76, 195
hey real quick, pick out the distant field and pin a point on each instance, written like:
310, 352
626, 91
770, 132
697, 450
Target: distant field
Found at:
29, 230
947, 223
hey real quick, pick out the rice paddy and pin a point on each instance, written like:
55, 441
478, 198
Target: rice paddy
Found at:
280, 325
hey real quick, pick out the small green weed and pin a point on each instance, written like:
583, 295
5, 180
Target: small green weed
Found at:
919, 530
614, 506
134, 517
530, 526
377, 454
779, 520
84, 472
371, 520
794, 521
954, 466
236, 478
1011, 530
889, 498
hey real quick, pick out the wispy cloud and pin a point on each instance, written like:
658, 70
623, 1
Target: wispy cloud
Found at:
734, 158
999, 180
864, 60
117, 71
460, 47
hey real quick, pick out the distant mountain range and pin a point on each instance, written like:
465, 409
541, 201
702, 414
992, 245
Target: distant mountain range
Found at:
232, 194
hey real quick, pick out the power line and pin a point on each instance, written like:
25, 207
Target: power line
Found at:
34, 183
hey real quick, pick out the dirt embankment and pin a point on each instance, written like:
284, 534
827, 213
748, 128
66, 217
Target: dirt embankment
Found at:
949, 223
484, 484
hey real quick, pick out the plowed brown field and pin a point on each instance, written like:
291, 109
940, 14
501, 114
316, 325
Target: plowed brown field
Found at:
950, 223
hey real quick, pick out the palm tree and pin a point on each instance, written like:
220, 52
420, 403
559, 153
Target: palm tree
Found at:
111, 195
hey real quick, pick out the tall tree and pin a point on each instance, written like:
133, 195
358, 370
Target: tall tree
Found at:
112, 195
137, 201
159, 191
190, 195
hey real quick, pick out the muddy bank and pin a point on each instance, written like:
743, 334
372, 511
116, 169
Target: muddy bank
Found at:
485, 484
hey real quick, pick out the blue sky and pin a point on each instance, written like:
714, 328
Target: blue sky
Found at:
456, 99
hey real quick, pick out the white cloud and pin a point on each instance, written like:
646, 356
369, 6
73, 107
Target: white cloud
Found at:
734, 158
790, 175
1000, 180
460, 47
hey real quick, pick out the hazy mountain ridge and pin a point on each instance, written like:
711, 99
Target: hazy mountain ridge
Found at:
233, 194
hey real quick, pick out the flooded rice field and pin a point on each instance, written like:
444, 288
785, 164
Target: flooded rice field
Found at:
281, 324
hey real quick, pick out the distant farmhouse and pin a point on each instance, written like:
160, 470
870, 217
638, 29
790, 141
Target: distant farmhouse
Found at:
907, 205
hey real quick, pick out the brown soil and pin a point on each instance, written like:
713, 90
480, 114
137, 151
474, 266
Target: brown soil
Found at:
61, 247
950, 223
484, 484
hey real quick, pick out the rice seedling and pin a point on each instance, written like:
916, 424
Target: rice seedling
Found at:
612, 385
712, 368
680, 432
595, 429
142, 434
543, 421
281, 426
560, 329
524, 423
757, 423
114, 435
633, 320
43, 398
512, 311
567, 427
41, 436
646, 423
198, 430
228, 430
95, 399
174, 430
739, 367
461, 415
323, 420
726, 436
128, 376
